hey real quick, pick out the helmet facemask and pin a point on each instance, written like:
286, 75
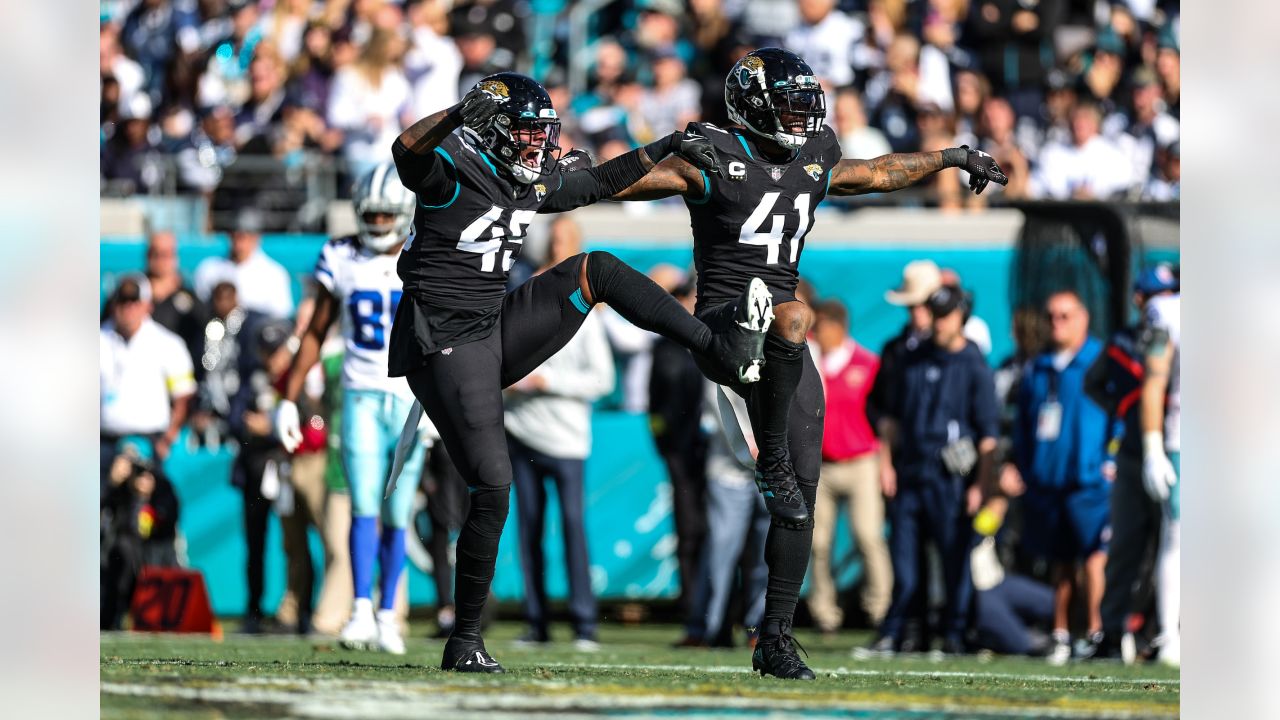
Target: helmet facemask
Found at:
798, 114
527, 146
777, 98
382, 225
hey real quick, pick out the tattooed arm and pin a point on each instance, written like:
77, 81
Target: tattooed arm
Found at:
894, 172
673, 176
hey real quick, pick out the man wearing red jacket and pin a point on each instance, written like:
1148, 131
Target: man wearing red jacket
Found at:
850, 470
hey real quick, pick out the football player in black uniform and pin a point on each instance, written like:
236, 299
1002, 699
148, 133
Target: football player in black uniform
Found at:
749, 220
459, 338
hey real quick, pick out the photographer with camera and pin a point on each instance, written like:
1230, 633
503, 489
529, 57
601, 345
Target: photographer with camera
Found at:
139, 526
938, 434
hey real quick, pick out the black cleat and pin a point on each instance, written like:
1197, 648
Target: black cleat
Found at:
740, 349
776, 655
468, 656
777, 482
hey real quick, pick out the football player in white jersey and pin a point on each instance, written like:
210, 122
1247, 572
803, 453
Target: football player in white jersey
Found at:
357, 282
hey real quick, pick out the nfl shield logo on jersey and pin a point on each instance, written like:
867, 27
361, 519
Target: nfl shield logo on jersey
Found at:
776, 172
814, 170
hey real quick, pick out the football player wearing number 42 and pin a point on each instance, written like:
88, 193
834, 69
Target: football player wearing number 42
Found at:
459, 338
356, 285
749, 220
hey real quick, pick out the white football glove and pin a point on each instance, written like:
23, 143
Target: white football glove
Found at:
288, 427
1158, 474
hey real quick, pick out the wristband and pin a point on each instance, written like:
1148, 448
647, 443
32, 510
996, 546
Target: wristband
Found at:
1153, 443
955, 157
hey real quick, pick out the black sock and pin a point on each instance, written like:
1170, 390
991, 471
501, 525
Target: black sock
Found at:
786, 552
772, 396
477, 555
642, 302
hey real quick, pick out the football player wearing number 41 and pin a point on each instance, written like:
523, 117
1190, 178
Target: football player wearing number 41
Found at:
749, 220
459, 338
356, 284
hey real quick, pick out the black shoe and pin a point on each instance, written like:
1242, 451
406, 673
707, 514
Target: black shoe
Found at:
777, 482
776, 655
533, 636
468, 656
740, 348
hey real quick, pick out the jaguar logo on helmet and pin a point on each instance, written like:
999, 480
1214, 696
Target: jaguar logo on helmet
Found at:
495, 87
750, 67
814, 170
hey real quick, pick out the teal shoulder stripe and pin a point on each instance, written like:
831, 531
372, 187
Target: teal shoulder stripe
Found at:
744, 144
488, 162
828, 181
579, 302
457, 186
706, 190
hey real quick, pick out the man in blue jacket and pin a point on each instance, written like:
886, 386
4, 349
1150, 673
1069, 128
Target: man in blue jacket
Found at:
939, 434
1059, 443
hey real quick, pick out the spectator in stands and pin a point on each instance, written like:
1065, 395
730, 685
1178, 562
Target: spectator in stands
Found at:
145, 374
825, 38
259, 465
972, 91
262, 284
154, 33
1016, 47
311, 72
433, 63
286, 25
548, 420
997, 138
1090, 168
1148, 125
737, 523
671, 103
113, 63
714, 33
225, 80
658, 29
480, 54
895, 93
938, 438
857, 139
1103, 79
370, 101
1058, 451
505, 20
1060, 103
850, 472
174, 304
675, 420
1165, 184
202, 158
139, 526
262, 111
1169, 68
130, 162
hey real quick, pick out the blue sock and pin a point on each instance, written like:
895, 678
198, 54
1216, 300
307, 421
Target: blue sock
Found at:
364, 548
391, 558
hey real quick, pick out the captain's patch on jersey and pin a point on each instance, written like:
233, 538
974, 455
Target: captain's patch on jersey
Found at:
814, 170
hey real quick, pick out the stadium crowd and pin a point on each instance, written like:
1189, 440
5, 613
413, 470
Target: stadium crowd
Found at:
231, 99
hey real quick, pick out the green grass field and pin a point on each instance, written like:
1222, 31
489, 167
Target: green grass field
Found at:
635, 675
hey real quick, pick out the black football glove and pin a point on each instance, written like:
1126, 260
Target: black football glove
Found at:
576, 159
982, 169
697, 149
691, 145
478, 108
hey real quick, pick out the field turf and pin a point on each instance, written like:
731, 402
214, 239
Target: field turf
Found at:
636, 674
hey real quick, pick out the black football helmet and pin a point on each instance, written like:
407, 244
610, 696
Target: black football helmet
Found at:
773, 93
525, 122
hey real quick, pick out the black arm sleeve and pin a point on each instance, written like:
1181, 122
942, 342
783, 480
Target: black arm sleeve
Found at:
429, 175
591, 185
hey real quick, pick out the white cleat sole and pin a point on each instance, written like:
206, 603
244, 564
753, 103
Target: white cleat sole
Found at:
759, 307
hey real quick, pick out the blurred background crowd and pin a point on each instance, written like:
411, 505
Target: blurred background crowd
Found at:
279, 103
